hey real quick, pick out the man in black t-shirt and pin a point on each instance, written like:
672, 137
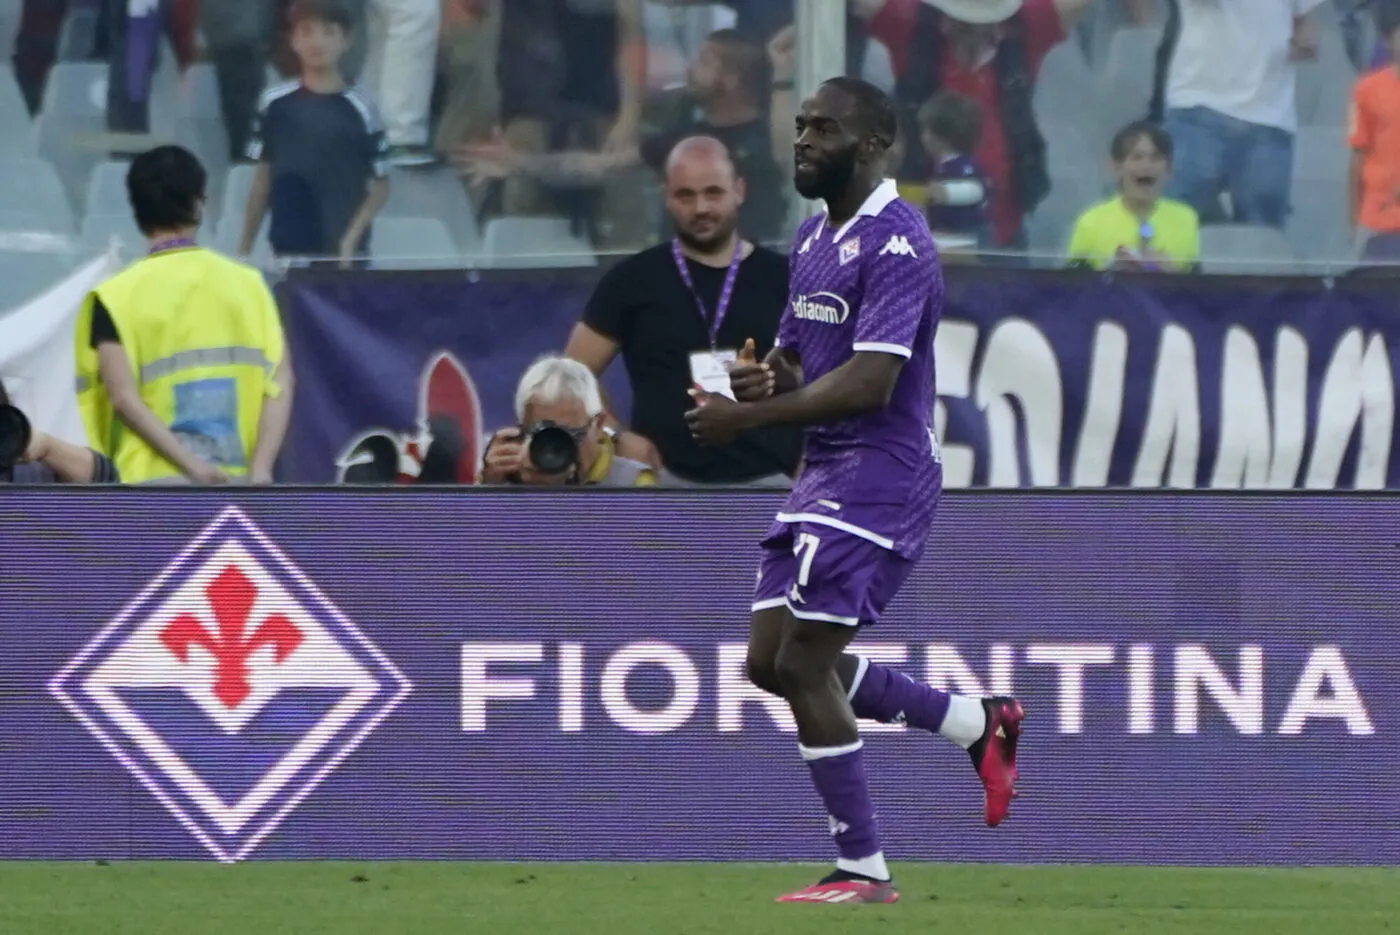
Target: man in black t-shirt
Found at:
679, 312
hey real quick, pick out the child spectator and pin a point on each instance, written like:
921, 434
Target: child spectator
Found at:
1374, 176
320, 148
950, 126
1138, 228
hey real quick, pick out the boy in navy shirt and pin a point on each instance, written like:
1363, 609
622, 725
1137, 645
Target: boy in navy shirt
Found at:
950, 125
320, 148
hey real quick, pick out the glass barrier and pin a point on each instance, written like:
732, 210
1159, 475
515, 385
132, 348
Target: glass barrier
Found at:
536, 132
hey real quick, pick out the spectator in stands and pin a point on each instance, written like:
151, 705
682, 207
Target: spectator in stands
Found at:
950, 126
181, 365
680, 312
728, 81
1374, 176
571, 75
399, 70
471, 97
1138, 229
238, 36
134, 31
320, 149
562, 398
49, 460
1230, 108
990, 51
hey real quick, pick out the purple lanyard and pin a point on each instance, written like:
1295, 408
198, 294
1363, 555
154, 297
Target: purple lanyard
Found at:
176, 244
725, 293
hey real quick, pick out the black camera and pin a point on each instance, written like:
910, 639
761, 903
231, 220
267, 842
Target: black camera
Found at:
15, 435
553, 448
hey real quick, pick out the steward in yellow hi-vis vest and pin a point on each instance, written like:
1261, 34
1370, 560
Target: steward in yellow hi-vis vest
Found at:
182, 374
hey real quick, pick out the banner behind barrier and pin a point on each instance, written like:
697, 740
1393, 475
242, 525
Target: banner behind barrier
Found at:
1045, 379
419, 674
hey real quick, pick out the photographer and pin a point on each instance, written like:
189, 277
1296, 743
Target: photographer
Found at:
30, 457
560, 439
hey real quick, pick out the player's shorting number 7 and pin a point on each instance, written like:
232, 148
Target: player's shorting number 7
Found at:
806, 550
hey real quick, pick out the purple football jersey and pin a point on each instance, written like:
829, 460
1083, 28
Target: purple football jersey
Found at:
874, 285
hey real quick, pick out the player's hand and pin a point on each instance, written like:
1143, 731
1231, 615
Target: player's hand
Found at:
748, 378
716, 420
505, 457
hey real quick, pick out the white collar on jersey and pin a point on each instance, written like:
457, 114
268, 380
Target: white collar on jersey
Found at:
881, 198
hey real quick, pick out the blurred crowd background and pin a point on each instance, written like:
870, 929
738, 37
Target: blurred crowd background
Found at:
523, 133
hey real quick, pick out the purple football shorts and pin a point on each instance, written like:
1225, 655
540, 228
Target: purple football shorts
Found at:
822, 573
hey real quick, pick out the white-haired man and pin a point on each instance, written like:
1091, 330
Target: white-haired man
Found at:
560, 438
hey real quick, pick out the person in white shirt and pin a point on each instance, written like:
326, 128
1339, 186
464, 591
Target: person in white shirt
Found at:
1230, 105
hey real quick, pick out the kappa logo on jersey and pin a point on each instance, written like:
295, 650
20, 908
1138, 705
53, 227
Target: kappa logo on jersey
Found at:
825, 307
230, 687
898, 245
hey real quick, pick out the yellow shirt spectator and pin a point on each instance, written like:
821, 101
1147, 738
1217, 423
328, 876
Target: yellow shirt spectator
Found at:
1172, 231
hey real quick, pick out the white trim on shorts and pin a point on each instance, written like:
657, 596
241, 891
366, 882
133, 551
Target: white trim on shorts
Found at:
862, 667
769, 603
822, 519
818, 615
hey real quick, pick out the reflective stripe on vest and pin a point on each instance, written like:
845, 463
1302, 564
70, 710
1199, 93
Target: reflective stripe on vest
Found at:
186, 360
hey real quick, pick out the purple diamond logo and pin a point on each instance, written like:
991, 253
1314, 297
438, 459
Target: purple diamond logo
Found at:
230, 687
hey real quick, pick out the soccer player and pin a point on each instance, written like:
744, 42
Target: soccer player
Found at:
854, 364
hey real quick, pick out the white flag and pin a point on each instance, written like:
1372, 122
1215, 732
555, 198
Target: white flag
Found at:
36, 351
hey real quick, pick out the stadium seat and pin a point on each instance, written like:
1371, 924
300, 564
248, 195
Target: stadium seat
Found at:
208, 140
198, 96
27, 224
1066, 94
1068, 154
435, 193
100, 229
229, 230
25, 274
1323, 91
1318, 229
18, 138
1049, 228
72, 117
106, 190
237, 184
1125, 84
33, 188
413, 243
1321, 153
77, 40
534, 243
1245, 249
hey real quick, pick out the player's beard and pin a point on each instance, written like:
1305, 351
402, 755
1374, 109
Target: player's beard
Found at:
832, 178
711, 242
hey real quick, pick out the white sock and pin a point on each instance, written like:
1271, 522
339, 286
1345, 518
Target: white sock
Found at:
965, 721
872, 866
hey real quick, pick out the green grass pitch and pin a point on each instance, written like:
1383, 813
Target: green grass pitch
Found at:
343, 898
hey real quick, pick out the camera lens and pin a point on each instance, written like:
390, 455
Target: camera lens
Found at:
553, 450
14, 436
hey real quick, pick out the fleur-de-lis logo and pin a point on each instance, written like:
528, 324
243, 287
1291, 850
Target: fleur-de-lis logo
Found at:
231, 595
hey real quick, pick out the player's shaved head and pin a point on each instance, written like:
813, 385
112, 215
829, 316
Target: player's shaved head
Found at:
698, 150
703, 193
